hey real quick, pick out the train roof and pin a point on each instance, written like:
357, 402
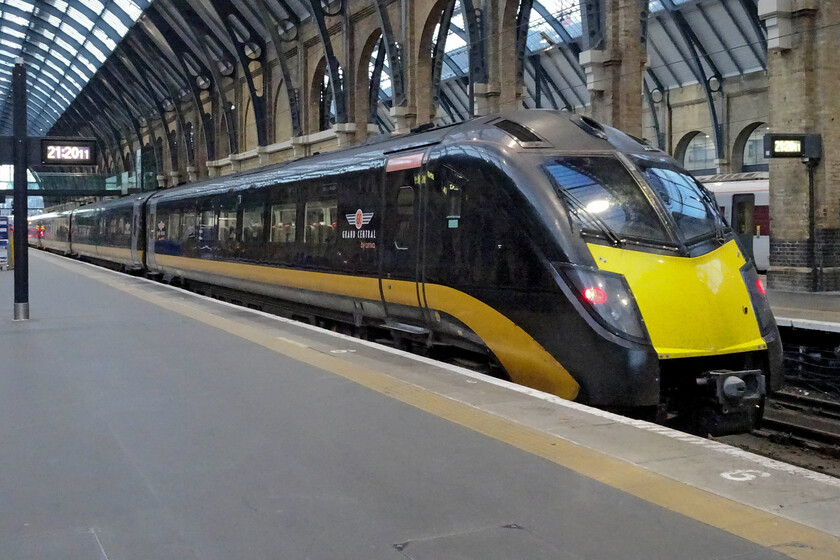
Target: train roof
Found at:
523, 130
721, 187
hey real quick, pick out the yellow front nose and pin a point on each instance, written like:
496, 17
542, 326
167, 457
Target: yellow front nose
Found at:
691, 306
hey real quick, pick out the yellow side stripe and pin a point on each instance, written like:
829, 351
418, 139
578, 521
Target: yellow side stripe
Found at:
524, 359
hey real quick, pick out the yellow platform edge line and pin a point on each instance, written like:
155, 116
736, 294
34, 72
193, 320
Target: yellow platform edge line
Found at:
763, 528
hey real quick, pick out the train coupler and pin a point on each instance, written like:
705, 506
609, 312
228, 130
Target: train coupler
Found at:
734, 390
737, 398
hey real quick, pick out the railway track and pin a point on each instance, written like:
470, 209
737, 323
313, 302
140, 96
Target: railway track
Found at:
803, 418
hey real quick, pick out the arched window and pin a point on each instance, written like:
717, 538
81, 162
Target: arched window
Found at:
282, 115
699, 156
322, 97
753, 158
380, 98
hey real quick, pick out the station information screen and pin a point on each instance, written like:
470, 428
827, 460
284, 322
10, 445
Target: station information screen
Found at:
792, 145
781, 146
68, 152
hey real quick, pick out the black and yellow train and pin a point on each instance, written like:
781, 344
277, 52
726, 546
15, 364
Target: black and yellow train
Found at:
562, 254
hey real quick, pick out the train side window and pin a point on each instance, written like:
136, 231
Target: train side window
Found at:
117, 229
110, 232
405, 217
126, 228
252, 223
101, 230
187, 239
207, 225
321, 222
227, 226
188, 221
173, 225
283, 223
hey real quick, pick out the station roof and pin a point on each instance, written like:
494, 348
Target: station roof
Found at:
182, 45
63, 43
723, 34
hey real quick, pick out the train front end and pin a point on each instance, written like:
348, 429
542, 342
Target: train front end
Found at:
680, 308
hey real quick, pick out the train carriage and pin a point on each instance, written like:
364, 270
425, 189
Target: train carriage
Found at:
50, 231
111, 232
562, 254
745, 203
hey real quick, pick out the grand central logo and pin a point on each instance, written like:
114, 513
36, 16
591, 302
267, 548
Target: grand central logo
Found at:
359, 219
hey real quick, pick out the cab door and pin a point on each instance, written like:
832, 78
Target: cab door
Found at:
743, 221
400, 261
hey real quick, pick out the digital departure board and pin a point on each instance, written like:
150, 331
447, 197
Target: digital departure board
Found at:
807, 146
787, 147
68, 152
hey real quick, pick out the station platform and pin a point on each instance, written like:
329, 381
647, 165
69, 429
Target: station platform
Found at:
812, 311
139, 421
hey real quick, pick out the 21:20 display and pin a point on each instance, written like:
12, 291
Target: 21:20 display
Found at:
73, 153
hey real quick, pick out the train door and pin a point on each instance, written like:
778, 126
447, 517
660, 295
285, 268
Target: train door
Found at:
743, 221
208, 223
401, 251
135, 233
149, 224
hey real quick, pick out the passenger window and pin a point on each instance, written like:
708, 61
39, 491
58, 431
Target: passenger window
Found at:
187, 226
173, 225
207, 226
321, 222
227, 227
252, 223
405, 217
283, 223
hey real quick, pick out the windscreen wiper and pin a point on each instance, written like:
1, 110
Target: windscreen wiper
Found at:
711, 207
580, 208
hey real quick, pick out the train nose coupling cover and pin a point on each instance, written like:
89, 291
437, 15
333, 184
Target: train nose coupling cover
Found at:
735, 390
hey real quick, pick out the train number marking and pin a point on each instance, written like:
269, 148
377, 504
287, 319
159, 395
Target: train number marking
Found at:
744, 475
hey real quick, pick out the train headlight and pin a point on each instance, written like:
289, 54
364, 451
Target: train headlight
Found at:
608, 299
761, 308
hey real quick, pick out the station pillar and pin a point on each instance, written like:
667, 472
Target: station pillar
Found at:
804, 79
614, 59
21, 165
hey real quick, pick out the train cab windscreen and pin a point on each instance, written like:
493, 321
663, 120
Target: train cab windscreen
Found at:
689, 205
600, 192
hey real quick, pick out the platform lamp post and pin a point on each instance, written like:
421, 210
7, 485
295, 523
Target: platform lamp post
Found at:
21, 203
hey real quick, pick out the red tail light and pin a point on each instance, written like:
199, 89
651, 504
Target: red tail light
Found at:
760, 285
595, 295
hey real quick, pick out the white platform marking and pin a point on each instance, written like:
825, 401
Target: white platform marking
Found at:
744, 475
